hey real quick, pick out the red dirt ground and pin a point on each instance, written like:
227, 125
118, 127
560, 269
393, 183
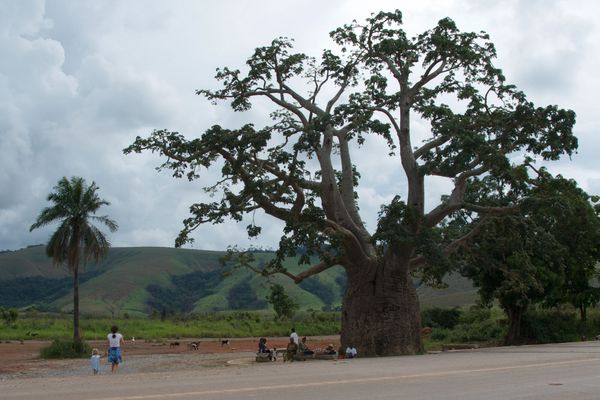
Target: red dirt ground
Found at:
18, 356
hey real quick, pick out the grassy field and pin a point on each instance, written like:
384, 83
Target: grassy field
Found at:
229, 325
483, 326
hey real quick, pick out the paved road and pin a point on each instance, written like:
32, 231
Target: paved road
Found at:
562, 371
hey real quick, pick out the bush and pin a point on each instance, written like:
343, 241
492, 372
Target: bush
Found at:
478, 324
437, 317
66, 349
545, 326
489, 330
9, 315
479, 314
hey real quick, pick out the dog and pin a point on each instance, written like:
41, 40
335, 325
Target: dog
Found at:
224, 342
194, 345
173, 344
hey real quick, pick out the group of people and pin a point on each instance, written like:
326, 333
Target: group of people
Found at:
114, 344
298, 347
295, 347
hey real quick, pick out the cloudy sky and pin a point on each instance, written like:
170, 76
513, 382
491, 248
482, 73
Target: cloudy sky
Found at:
79, 80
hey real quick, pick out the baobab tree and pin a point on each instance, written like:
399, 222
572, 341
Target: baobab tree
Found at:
301, 170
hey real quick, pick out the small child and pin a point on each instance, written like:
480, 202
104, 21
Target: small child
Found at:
95, 361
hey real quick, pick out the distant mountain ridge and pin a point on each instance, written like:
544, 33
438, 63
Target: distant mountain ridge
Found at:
143, 280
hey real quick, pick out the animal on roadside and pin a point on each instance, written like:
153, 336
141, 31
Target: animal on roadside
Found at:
173, 344
224, 342
194, 345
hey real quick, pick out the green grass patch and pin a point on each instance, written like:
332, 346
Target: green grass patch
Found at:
215, 325
66, 349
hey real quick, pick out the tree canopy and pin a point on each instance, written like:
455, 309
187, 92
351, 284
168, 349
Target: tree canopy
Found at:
545, 253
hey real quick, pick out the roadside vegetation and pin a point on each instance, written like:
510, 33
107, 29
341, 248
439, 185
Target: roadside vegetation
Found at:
484, 326
488, 326
214, 325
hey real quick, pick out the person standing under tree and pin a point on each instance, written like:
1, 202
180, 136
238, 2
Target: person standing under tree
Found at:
294, 336
115, 343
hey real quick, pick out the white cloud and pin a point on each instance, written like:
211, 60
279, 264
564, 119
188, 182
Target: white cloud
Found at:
80, 79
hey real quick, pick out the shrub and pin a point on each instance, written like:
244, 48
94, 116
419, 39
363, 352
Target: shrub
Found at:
440, 335
489, 330
66, 349
438, 317
479, 314
283, 305
550, 326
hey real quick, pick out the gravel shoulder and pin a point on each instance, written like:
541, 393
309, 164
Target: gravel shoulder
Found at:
21, 360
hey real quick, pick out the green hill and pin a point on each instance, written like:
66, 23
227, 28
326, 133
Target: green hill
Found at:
142, 280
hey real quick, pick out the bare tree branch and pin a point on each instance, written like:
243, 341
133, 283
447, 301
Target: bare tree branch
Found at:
313, 270
420, 152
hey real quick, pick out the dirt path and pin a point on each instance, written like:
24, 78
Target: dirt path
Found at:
21, 360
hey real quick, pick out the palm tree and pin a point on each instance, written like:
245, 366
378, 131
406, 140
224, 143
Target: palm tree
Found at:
76, 239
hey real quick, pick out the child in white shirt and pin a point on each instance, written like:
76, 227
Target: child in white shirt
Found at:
95, 361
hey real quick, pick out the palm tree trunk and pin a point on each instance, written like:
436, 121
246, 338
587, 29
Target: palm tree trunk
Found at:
76, 337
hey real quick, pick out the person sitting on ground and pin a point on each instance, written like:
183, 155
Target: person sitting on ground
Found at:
263, 349
351, 351
291, 350
262, 345
304, 349
330, 349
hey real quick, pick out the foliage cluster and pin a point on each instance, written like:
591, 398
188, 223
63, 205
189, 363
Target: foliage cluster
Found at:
243, 297
8, 315
544, 253
283, 305
67, 348
319, 289
185, 290
438, 317
473, 325
489, 325
20, 292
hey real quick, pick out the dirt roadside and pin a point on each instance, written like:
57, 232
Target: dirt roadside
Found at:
21, 360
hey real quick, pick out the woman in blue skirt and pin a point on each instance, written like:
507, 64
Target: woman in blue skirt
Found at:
115, 343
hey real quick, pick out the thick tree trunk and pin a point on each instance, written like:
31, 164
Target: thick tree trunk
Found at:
381, 314
76, 337
515, 315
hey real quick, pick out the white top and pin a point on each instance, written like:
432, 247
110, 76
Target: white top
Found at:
351, 351
116, 341
294, 336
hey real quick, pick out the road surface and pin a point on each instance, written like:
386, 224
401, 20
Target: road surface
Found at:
558, 371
